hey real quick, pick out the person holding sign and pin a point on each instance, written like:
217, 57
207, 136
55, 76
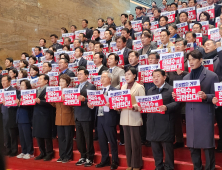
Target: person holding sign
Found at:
42, 121
98, 61
191, 38
197, 28
180, 45
121, 45
65, 124
200, 115
131, 120
9, 121
160, 127
205, 16
24, 120
173, 31
63, 67
84, 120
165, 40
79, 59
106, 126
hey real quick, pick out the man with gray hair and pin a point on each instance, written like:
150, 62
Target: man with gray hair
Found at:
106, 126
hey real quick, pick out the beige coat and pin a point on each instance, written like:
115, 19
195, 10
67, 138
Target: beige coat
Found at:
169, 45
130, 117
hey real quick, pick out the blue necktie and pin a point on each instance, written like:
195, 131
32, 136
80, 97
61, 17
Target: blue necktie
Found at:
110, 70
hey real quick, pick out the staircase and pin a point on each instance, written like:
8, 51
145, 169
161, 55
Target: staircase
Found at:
182, 158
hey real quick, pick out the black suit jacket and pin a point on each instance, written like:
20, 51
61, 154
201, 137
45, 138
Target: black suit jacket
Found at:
69, 73
9, 68
160, 127
217, 12
111, 117
102, 69
125, 55
83, 62
42, 117
89, 33
129, 43
83, 112
53, 62
104, 59
9, 113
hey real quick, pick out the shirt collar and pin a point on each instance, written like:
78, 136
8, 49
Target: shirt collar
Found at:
83, 83
112, 68
162, 86
165, 44
98, 68
122, 50
7, 88
64, 71
107, 87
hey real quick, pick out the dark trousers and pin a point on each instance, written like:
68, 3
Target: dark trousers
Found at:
54, 127
11, 140
178, 128
84, 137
65, 136
218, 116
45, 146
105, 134
133, 146
25, 136
143, 128
2, 161
196, 158
157, 149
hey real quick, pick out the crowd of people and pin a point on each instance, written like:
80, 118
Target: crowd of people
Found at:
109, 52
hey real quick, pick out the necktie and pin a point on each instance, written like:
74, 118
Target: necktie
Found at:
77, 61
110, 70
164, 46
104, 90
81, 86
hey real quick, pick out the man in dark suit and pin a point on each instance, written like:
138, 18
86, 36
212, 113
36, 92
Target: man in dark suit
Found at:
54, 39
79, 59
162, 139
108, 36
133, 58
126, 33
121, 45
191, 38
98, 59
217, 11
84, 120
148, 45
131, 30
63, 67
42, 121
89, 32
106, 125
9, 121
197, 28
49, 56
46, 67
99, 49
9, 63
139, 14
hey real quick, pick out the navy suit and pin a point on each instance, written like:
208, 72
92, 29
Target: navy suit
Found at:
106, 126
68, 72
53, 62
24, 120
10, 127
125, 55
84, 124
83, 62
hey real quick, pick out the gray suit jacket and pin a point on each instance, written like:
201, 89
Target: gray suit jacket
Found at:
153, 46
117, 72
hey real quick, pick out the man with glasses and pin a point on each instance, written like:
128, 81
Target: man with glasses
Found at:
197, 28
148, 45
165, 40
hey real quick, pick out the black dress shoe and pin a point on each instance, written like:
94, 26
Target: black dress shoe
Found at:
178, 145
39, 157
114, 165
13, 154
102, 164
48, 158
